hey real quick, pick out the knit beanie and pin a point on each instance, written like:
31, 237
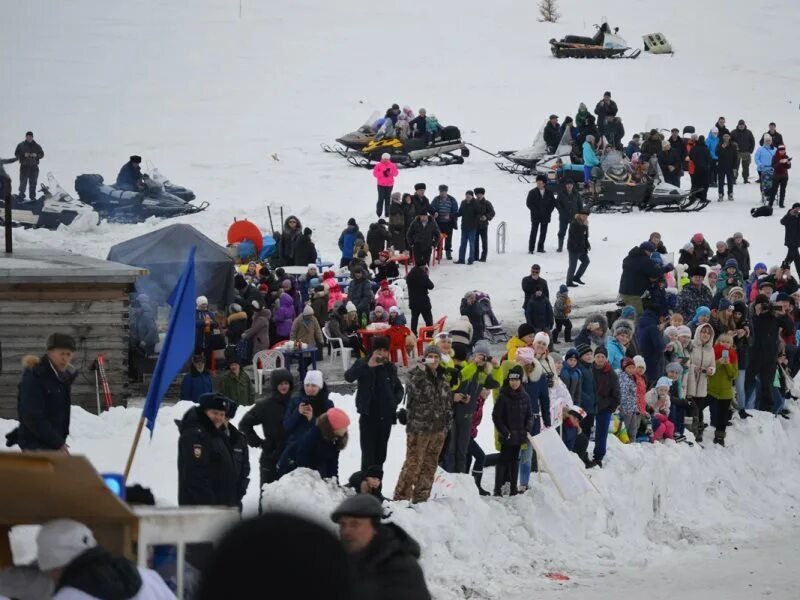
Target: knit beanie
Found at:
664, 382
542, 337
337, 418
313, 378
638, 360
525, 355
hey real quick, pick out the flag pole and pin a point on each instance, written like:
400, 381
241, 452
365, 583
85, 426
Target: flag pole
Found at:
136, 437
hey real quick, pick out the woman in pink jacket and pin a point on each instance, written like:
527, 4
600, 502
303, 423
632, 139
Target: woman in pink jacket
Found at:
385, 172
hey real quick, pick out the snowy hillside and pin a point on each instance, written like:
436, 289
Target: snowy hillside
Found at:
209, 97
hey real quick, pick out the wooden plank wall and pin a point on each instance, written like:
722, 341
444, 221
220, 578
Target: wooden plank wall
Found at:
95, 314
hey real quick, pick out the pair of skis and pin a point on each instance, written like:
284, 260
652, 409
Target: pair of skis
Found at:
101, 383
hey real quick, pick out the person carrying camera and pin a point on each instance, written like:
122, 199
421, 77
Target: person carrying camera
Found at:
385, 172
429, 409
763, 358
791, 223
377, 396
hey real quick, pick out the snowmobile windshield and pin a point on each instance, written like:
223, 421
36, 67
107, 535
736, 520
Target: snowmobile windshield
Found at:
367, 126
613, 160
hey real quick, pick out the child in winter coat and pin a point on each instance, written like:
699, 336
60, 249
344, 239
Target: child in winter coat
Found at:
618, 343
608, 397
677, 398
385, 296
474, 451
658, 404
334, 291
640, 375
284, 317
721, 385
513, 419
760, 270
571, 375
730, 277
574, 439
561, 310
628, 406
702, 365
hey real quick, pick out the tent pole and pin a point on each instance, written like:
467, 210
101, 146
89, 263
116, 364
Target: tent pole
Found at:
136, 437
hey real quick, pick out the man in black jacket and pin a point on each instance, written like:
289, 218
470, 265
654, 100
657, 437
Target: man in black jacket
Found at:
604, 109
777, 138
423, 235
540, 203
378, 237
207, 472
377, 396
239, 452
421, 202
744, 139
533, 282
578, 248
568, 204
678, 143
727, 158
638, 271
29, 153
763, 357
551, 134
669, 159
44, 400
419, 286
269, 414
485, 214
384, 557
614, 132
791, 238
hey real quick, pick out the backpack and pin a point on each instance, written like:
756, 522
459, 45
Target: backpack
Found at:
761, 211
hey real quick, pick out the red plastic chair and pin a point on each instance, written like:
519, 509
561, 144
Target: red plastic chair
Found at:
397, 342
437, 254
426, 334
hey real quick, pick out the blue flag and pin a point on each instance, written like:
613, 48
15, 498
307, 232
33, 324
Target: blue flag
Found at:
178, 343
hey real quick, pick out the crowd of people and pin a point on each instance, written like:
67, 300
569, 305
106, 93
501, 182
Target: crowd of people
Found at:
712, 160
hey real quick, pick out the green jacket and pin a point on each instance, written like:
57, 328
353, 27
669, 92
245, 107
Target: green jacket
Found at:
721, 383
239, 389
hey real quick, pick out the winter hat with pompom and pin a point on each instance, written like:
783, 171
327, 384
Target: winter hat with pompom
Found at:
525, 355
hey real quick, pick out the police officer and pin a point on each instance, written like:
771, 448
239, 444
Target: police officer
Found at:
207, 469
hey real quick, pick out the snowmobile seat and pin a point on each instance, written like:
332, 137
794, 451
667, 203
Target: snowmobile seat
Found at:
579, 39
451, 132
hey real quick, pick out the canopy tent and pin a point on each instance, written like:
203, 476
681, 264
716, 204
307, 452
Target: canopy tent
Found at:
163, 253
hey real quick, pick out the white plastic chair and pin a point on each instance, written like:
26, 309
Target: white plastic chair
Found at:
336, 347
270, 360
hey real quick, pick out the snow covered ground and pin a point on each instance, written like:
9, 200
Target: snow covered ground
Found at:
209, 96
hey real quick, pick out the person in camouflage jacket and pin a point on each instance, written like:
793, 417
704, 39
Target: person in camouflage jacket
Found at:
429, 403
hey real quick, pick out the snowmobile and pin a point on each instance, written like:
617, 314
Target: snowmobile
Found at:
180, 191
525, 162
55, 207
123, 206
353, 142
604, 44
415, 151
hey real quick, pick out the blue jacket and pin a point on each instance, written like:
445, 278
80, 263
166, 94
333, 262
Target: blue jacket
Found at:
347, 240
712, 141
296, 426
763, 158
317, 453
632, 148
650, 342
43, 404
573, 379
616, 352
129, 177
196, 384
588, 388
589, 157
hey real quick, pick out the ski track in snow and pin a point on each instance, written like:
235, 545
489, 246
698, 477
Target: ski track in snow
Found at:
209, 97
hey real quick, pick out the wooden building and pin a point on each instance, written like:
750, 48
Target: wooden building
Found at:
46, 290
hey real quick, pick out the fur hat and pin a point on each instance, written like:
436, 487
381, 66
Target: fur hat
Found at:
479, 190
214, 401
419, 186
622, 326
432, 349
696, 271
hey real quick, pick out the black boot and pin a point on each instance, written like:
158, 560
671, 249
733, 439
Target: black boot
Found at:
500, 477
478, 475
719, 438
744, 414
513, 476
560, 244
587, 462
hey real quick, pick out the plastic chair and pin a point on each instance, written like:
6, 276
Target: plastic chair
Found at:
424, 337
437, 254
336, 347
270, 360
397, 343
439, 325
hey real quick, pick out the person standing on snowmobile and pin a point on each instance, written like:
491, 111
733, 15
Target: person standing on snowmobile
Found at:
29, 153
445, 211
604, 109
130, 176
552, 134
385, 172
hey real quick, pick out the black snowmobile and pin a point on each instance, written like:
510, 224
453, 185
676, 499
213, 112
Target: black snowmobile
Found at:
55, 207
122, 206
604, 44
